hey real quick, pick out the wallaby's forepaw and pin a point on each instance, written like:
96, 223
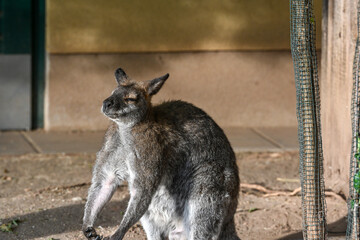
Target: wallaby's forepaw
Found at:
91, 234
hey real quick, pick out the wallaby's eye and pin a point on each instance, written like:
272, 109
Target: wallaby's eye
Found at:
130, 99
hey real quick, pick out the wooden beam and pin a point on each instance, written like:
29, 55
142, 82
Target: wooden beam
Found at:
338, 46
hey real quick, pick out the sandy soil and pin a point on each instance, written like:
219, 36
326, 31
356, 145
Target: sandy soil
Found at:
46, 195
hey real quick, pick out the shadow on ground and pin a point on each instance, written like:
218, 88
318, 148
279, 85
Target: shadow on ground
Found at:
61, 220
335, 229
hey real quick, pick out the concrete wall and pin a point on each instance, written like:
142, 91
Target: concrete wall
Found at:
230, 58
93, 26
236, 88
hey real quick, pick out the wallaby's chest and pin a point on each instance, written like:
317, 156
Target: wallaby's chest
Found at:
128, 153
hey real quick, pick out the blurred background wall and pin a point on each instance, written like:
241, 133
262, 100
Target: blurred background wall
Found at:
231, 58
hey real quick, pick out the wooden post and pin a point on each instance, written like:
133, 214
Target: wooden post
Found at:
338, 46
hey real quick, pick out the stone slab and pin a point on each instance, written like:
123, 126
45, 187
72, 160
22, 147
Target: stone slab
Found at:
242, 140
14, 143
68, 142
285, 137
245, 139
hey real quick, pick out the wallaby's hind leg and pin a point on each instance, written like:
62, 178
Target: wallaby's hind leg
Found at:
153, 232
205, 218
229, 232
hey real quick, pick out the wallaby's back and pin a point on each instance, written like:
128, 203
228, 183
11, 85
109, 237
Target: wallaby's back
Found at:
198, 145
195, 127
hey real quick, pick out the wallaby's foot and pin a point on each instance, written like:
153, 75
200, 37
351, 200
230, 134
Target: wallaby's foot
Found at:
91, 234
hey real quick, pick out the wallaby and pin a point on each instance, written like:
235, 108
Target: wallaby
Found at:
179, 165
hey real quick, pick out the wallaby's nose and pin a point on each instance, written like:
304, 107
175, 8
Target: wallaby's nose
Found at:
107, 104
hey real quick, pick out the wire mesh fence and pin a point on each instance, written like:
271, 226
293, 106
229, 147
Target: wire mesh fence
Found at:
352, 231
308, 114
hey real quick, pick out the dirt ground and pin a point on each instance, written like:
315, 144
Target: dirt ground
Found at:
43, 196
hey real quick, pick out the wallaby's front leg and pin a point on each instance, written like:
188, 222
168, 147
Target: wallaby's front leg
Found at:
102, 188
139, 202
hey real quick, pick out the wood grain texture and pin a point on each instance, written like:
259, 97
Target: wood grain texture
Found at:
338, 44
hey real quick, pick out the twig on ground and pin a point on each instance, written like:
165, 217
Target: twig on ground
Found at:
58, 188
51, 189
255, 187
272, 193
283, 193
290, 180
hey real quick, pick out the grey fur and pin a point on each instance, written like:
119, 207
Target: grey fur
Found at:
180, 167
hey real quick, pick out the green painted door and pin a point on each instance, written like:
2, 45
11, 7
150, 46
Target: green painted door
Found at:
21, 63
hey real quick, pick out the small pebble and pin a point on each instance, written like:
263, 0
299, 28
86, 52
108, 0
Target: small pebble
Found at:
76, 199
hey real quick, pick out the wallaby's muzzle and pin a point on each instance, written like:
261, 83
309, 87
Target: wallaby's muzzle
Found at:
107, 104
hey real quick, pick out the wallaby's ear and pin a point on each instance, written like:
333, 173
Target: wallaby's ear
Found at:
120, 76
155, 84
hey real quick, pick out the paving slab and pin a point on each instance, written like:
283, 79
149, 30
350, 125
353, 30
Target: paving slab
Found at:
285, 137
245, 139
67, 142
242, 140
14, 143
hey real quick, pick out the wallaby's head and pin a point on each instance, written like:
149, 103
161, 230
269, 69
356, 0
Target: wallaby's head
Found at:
130, 102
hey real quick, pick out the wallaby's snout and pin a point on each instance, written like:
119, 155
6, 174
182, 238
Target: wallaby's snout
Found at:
107, 104
109, 107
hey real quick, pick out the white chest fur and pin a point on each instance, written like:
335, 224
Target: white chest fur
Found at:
128, 152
